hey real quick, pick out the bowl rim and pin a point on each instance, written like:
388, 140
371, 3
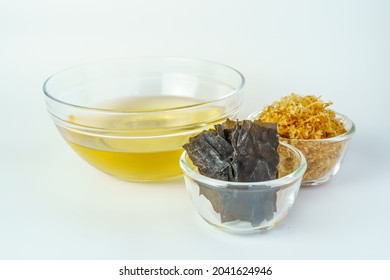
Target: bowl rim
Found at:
162, 58
346, 135
211, 182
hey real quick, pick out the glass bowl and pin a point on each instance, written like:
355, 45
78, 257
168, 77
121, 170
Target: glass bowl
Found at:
324, 156
130, 117
246, 207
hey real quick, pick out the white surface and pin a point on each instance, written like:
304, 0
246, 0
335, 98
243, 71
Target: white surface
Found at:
53, 205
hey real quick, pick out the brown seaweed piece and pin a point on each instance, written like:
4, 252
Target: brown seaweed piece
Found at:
236, 151
255, 156
212, 154
241, 152
254, 205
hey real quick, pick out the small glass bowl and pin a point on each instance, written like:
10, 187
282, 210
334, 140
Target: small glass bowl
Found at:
324, 156
130, 117
246, 207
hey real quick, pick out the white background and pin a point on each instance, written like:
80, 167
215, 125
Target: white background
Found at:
53, 205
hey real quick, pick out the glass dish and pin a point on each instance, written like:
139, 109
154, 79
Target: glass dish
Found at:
246, 207
130, 117
324, 156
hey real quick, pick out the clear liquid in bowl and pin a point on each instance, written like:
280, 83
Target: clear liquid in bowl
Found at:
143, 147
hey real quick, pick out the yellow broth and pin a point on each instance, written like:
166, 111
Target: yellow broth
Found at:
141, 147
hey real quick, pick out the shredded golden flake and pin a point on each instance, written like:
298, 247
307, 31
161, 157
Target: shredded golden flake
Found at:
303, 117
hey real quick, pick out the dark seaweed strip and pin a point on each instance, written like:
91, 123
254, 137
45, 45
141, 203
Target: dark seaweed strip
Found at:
242, 152
252, 205
213, 159
255, 157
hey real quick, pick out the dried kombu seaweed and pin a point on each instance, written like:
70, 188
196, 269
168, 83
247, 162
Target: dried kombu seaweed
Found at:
236, 151
254, 205
243, 151
212, 154
255, 152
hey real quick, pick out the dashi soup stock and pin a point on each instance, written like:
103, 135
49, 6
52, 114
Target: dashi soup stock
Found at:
130, 117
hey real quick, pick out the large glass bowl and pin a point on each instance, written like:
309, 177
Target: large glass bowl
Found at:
130, 117
324, 156
246, 207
